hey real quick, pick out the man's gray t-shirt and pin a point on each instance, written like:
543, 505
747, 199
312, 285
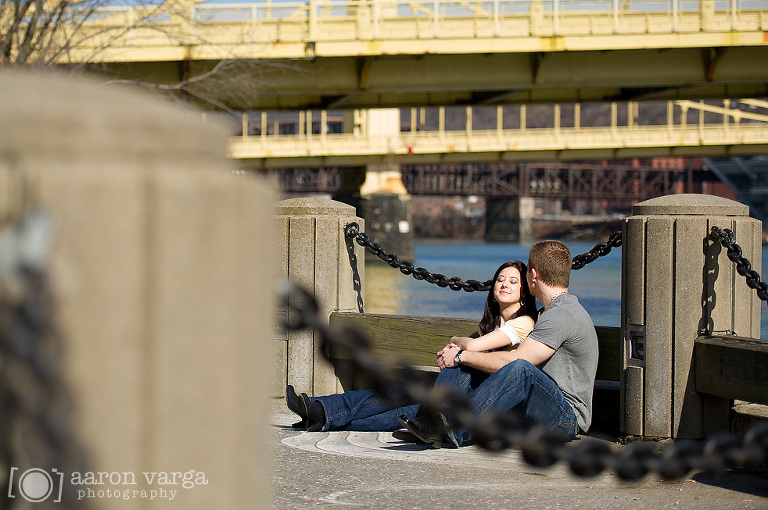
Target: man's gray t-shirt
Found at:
566, 327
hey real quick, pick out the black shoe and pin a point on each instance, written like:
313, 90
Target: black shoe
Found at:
447, 431
406, 436
293, 402
314, 411
430, 437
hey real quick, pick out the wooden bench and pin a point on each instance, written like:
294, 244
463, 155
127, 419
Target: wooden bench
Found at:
417, 339
731, 367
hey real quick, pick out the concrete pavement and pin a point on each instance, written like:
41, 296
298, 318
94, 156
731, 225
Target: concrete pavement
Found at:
374, 470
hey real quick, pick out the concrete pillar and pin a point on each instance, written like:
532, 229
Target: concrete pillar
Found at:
314, 253
384, 177
388, 220
677, 283
163, 285
377, 191
509, 219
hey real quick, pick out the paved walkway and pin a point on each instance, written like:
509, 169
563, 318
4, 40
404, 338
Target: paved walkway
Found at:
374, 470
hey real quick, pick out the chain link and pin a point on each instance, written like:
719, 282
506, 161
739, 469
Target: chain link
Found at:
743, 266
35, 421
400, 384
600, 250
724, 236
352, 231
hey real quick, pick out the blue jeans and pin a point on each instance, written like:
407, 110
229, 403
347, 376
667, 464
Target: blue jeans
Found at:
362, 410
365, 410
518, 385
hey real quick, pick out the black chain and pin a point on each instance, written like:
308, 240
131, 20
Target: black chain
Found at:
35, 421
352, 231
725, 236
400, 384
743, 266
600, 250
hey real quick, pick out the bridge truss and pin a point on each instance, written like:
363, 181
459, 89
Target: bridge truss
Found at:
570, 181
619, 183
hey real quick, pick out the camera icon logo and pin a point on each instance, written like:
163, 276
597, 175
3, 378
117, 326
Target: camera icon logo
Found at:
36, 485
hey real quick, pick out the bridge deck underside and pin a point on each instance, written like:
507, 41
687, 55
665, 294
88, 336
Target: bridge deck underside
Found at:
459, 79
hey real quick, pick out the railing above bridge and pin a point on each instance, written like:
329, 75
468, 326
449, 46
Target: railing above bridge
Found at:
691, 129
326, 54
330, 20
235, 27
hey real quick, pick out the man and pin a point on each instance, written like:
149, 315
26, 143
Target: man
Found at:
549, 378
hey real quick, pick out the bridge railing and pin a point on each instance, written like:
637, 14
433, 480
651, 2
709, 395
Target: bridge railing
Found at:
363, 20
711, 126
330, 20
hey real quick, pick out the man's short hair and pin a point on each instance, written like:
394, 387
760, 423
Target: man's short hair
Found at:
552, 260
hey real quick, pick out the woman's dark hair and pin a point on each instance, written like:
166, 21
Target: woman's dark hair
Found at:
492, 312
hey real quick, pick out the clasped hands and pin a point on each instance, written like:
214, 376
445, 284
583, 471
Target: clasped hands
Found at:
445, 357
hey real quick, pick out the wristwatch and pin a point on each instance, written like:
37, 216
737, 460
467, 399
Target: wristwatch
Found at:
457, 358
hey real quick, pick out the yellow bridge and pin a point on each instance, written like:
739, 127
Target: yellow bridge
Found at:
691, 129
326, 54
356, 55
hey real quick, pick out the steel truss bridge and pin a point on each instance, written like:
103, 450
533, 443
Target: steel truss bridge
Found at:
618, 183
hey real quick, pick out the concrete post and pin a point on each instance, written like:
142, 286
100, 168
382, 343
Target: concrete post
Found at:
163, 287
677, 282
314, 253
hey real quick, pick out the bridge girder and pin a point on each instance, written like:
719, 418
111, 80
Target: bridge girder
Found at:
404, 80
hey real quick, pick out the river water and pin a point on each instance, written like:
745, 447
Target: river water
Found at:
597, 285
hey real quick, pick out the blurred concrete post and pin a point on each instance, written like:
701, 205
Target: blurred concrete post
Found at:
677, 282
162, 276
314, 253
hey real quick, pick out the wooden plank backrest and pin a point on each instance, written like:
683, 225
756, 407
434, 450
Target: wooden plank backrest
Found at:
417, 339
732, 367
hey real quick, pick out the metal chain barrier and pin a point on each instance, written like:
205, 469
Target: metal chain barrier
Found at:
35, 421
400, 384
743, 266
600, 250
352, 231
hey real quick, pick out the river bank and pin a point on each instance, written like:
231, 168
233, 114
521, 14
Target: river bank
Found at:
464, 218
452, 217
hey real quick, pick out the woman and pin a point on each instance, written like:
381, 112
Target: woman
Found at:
509, 315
